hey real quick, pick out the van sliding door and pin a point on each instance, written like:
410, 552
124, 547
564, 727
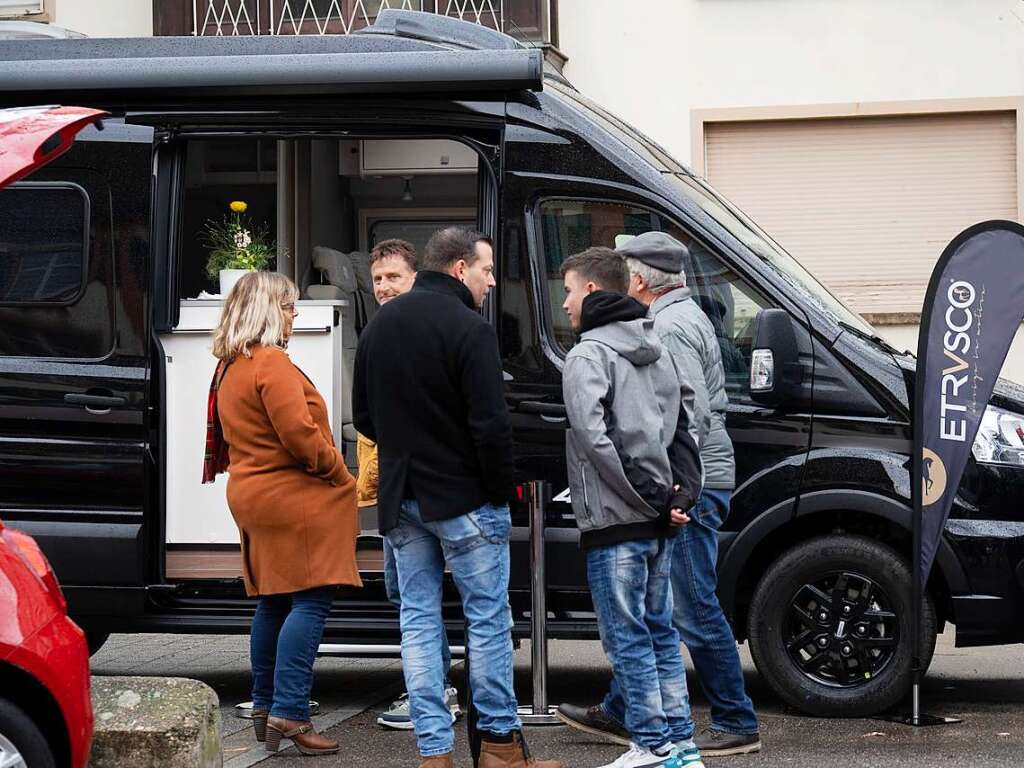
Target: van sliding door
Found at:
74, 368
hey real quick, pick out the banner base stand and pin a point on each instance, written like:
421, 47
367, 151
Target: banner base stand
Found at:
922, 721
529, 716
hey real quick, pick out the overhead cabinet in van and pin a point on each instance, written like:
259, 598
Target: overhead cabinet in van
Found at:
337, 143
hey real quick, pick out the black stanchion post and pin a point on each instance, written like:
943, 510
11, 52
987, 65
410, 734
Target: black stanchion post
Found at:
538, 713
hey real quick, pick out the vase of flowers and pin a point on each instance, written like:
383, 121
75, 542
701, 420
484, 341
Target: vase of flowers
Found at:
236, 246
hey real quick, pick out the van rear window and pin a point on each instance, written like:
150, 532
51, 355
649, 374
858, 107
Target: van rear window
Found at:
43, 245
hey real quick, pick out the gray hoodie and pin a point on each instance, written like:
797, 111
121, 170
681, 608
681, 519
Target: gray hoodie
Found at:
622, 398
689, 339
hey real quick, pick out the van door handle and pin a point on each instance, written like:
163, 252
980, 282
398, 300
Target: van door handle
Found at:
99, 404
552, 412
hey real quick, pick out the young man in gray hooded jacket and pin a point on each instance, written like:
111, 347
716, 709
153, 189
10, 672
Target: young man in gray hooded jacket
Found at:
656, 263
633, 469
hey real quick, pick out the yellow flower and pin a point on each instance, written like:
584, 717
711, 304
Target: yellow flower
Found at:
238, 206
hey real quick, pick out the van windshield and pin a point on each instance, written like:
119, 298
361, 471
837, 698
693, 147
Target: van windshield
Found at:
717, 207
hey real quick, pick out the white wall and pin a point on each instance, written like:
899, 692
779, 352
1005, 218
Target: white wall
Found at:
653, 61
104, 18
905, 337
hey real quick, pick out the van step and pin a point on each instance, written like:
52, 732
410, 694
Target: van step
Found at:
374, 650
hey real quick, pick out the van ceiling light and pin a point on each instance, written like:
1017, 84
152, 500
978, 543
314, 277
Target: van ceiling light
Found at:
407, 193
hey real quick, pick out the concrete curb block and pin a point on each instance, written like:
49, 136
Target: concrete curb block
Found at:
155, 721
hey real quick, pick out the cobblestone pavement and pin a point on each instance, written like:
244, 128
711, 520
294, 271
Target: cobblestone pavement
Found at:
984, 686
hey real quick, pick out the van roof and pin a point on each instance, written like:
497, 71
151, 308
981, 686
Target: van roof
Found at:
402, 52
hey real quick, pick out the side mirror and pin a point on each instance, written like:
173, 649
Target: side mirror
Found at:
775, 371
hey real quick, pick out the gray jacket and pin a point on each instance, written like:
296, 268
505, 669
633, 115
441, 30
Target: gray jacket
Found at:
622, 398
689, 338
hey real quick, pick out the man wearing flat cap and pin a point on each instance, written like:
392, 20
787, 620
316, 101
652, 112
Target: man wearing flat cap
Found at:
656, 262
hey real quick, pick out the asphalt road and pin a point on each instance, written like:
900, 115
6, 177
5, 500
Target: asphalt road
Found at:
983, 686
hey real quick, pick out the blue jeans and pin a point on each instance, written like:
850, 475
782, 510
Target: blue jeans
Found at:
286, 632
395, 596
700, 621
630, 587
699, 618
475, 546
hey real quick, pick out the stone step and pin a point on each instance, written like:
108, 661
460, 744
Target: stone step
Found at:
147, 722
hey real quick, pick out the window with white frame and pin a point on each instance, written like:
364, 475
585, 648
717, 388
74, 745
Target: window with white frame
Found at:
16, 8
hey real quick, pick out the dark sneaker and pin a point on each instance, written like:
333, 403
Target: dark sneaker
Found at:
712, 742
593, 720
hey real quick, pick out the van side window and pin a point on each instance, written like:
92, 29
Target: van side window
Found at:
570, 226
56, 264
732, 306
42, 243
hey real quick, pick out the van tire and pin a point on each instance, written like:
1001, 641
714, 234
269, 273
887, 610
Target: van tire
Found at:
784, 610
95, 639
19, 730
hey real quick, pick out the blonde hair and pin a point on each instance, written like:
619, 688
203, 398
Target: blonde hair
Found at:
253, 315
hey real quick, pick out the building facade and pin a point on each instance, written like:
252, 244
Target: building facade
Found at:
862, 134
93, 18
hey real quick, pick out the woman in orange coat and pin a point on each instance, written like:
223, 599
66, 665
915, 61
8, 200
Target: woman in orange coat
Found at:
292, 498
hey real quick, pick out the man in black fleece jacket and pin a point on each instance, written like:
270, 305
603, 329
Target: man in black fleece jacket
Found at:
622, 397
428, 390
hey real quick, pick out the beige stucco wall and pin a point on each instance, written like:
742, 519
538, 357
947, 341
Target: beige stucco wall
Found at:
104, 18
653, 61
905, 337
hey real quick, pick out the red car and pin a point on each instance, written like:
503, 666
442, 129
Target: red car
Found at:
45, 710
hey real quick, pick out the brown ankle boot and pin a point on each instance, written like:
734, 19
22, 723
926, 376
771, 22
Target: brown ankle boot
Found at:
437, 761
305, 739
512, 755
259, 724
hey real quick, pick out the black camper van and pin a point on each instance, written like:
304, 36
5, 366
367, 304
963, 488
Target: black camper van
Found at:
335, 143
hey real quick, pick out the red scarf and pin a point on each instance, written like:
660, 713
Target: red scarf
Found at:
215, 460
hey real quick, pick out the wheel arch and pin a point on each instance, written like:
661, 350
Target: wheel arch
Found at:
27, 693
821, 512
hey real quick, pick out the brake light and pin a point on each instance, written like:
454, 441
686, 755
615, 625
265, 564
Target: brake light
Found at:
33, 556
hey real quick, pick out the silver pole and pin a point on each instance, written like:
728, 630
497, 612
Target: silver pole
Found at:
916, 713
539, 713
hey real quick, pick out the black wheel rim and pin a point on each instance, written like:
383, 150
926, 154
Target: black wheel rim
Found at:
841, 630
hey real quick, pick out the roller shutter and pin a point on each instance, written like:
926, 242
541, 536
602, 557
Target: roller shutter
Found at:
867, 204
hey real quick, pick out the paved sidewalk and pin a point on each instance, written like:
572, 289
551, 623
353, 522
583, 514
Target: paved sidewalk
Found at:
985, 686
343, 687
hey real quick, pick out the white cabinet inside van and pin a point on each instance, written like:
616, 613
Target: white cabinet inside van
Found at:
198, 514
419, 156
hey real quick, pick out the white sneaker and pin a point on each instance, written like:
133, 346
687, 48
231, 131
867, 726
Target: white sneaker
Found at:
451, 698
689, 757
640, 757
397, 715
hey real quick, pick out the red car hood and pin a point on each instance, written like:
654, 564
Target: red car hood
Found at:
30, 137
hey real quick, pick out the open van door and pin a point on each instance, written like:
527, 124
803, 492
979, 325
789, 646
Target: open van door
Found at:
74, 363
31, 137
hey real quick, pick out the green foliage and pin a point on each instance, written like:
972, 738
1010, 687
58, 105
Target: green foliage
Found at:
234, 243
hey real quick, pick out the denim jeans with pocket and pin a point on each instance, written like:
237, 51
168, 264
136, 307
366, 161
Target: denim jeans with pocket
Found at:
475, 547
632, 594
286, 632
395, 596
700, 621
699, 618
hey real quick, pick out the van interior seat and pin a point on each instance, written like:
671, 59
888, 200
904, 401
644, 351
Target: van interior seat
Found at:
345, 276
